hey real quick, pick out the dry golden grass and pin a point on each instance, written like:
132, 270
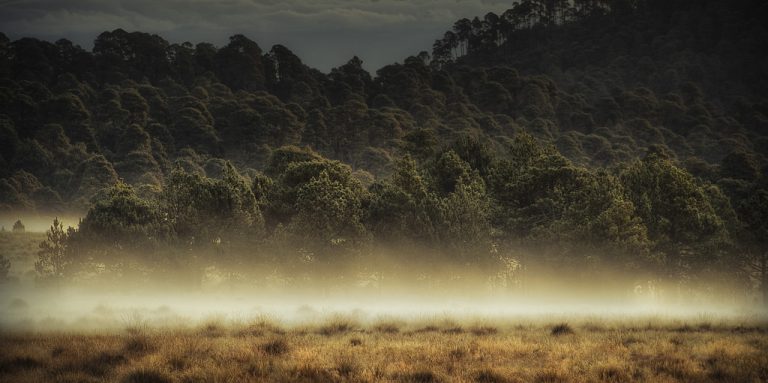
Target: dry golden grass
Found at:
342, 350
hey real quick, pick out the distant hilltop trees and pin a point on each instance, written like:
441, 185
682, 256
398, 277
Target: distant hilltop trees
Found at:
602, 81
18, 227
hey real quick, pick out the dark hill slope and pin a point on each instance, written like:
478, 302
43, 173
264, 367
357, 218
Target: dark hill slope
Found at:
601, 80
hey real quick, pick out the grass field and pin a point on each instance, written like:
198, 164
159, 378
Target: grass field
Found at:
342, 350
71, 336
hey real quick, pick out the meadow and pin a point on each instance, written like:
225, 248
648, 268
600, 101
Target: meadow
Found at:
342, 349
70, 334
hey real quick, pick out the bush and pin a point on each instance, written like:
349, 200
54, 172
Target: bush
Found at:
18, 227
562, 329
424, 376
489, 376
387, 328
276, 347
138, 344
336, 326
146, 376
484, 330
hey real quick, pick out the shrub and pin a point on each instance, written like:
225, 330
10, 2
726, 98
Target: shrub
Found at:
347, 366
387, 328
146, 376
275, 347
562, 329
18, 227
484, 330
138, 343
454, 330
489, 376
212, 329
20, 363
424, 376
549, 377
102, 363
337, 325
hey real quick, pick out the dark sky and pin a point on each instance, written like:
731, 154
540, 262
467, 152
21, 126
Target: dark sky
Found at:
324, 33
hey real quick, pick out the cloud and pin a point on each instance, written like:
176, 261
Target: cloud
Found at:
325, 33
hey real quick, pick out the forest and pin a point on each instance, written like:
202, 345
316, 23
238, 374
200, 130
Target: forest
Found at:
580, 140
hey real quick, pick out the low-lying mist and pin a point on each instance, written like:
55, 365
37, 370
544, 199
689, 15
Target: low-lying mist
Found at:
37, 222
70, 307
182, 286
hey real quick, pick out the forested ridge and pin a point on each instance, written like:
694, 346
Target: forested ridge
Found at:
575, 136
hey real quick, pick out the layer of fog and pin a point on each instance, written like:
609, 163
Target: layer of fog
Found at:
407, 287
37, 223
64, 309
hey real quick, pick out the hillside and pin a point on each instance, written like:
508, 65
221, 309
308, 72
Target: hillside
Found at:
623, 133
602, 83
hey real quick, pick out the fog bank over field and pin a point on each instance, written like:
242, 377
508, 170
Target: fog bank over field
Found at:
77, 309
38, 222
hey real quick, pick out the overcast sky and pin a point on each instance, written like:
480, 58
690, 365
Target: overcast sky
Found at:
324, 33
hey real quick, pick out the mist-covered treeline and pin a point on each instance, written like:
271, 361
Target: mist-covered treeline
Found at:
314, 219
578, 136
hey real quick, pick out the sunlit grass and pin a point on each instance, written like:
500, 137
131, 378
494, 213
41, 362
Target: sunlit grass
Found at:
341, 349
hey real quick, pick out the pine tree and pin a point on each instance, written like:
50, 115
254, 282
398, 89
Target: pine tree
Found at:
52, 257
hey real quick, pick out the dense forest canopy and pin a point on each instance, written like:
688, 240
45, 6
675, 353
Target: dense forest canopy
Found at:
563, 135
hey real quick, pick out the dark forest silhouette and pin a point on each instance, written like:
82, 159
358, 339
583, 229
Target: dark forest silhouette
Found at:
585, 136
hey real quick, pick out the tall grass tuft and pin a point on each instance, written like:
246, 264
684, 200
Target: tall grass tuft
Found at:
276, 347
423, 376
144, 375
487, 375
138, 343
337, 325
561, 329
